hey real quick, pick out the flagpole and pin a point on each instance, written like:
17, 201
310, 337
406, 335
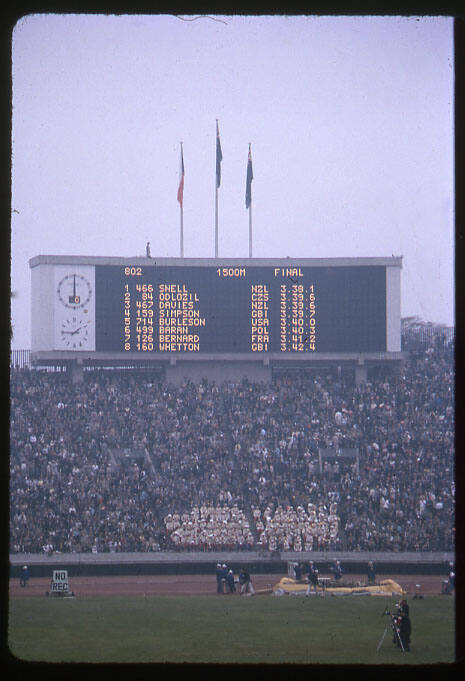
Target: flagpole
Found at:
248, 196
216, 194
216, 222
250, 229
219, 158
181, 233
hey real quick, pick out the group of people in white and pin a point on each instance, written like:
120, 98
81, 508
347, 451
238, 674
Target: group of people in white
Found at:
297, 529
208, 527
283, 528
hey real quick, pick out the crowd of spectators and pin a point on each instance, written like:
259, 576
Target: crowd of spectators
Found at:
234, 465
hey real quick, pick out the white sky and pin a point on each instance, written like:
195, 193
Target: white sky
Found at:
350, 119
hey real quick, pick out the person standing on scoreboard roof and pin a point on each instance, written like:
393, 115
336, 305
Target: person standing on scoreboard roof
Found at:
147, 250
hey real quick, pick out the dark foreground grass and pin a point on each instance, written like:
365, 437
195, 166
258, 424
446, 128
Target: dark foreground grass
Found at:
227, 630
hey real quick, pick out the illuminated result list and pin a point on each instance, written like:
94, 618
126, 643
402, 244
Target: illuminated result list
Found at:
179, 317
163, 319
297, 316
193, 308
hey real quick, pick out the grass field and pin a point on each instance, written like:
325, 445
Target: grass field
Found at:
194, 629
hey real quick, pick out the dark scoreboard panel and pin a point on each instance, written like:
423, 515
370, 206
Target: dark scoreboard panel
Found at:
210, 309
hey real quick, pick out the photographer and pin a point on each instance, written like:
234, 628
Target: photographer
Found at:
404, 626
403, 608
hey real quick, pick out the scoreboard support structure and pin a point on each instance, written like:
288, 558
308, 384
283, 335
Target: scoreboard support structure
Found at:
220, 319
219, 369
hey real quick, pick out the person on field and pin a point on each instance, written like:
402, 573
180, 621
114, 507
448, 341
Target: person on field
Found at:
230, 582
298, 572
308, 569
371, 573
404, 626
451, 580
219, 575
24, 576
245, 582
224, 574
337, 570
312, 579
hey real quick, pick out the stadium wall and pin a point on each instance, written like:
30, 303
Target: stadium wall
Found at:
203, 563
218, 372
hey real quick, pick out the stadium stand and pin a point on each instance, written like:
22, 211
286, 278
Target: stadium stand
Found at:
123, 462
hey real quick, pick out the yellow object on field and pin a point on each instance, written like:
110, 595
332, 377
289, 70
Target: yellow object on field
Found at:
387, 587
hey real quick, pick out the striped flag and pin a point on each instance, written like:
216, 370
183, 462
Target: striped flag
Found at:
219, 156
248, 185
181, 179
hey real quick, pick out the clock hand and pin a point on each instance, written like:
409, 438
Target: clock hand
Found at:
72, 333
76, 330
74, 286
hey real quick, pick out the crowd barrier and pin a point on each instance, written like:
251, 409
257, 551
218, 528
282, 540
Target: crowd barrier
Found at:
257, 562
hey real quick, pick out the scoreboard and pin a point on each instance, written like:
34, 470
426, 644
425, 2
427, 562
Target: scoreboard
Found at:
169, 306
240, 309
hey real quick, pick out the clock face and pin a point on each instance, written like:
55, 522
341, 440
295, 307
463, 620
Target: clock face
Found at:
74, 308
74, 332
74, 291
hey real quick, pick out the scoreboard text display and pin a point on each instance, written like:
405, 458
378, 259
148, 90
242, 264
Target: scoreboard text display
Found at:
238, 309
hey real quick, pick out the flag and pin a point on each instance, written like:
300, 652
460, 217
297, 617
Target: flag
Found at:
181, 179
248, 186
219, 156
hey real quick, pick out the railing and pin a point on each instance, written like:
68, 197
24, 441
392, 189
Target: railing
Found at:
19, 359
421, 338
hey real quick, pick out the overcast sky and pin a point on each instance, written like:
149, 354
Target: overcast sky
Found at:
350, 121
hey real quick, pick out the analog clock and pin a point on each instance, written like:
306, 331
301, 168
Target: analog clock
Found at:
74, 332
74, 291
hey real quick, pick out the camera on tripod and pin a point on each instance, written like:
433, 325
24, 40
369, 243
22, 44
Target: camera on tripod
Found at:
388, 612
395, 624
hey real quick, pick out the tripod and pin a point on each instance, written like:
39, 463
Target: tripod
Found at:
395, 629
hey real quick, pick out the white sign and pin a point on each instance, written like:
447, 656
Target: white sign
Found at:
60, 581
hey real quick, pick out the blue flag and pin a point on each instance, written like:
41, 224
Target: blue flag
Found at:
219, 157
248, 186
